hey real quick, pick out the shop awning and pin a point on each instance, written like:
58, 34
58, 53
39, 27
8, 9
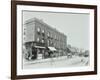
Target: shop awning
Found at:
39, 47
52, 48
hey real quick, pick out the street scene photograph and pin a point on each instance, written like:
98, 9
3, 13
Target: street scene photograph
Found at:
55, 39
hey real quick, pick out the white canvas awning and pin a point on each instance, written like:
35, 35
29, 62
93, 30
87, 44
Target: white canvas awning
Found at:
52, 48
39, 47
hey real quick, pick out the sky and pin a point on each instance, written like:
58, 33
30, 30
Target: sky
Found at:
74, 25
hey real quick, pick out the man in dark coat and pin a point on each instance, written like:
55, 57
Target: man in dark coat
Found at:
34, 53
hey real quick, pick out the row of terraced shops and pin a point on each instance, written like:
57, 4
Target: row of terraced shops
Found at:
41, 41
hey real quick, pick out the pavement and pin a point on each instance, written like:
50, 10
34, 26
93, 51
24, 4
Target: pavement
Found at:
45, 60
62, 61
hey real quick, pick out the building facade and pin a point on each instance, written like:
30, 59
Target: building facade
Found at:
44, 38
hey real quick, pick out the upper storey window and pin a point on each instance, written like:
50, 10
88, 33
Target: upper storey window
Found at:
51, 35
42, 31
38, 29
55, 36
48, 34
42, 41
38, 39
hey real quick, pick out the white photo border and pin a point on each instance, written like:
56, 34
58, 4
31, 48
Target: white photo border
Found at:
21, 71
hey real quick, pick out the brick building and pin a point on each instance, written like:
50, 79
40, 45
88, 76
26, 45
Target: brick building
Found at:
44, 38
